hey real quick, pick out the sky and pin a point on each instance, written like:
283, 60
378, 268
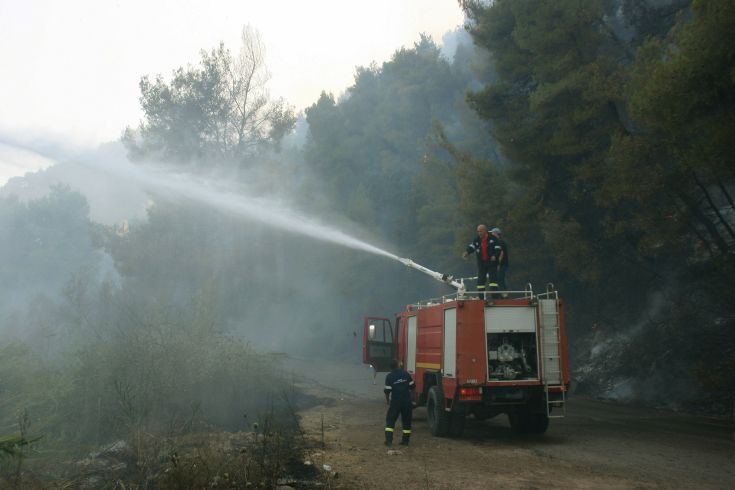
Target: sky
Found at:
70, 69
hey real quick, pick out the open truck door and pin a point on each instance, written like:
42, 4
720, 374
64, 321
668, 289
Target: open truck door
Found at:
379, 343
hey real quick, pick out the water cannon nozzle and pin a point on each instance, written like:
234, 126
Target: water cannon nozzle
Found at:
445, 278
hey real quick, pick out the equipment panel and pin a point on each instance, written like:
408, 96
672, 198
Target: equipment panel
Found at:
510, 319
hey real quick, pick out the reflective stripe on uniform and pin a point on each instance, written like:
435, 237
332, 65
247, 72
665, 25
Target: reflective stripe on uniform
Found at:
492, 284
411, 383
388, 387
406, 431
388, 429
480, 287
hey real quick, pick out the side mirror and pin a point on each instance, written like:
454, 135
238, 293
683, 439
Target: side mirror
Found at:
371, 332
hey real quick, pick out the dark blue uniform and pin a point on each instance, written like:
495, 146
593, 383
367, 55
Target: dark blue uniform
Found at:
487, 263
398, 386
502, 265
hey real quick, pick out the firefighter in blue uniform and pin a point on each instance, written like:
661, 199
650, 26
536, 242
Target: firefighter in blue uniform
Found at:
487, 248
398, 386
502, 259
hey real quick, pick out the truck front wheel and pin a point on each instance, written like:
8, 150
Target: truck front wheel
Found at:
438, 418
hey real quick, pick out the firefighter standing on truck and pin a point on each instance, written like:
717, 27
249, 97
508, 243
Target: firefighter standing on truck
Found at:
398, 386
487, 249
502, 259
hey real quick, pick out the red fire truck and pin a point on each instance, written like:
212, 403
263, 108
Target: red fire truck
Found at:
470, 356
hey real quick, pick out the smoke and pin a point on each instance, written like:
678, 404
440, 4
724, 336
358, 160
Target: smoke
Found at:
247, 238
19, 161
650, 361
110, 201
117, 190
220, 195
452, 40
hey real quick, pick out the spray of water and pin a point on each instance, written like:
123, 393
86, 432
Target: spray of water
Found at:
266, 211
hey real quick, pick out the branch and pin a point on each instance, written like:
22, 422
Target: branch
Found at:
712, 205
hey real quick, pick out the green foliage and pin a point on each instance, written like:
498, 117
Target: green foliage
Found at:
159, 372
93, 362
219, 111
376, 155
11, 444
605, 159
681, 93
372, 139
37, 233
614, 117
449, 184
147, 368
562, 109
554, 110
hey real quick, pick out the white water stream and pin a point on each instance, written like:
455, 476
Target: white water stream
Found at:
267, 211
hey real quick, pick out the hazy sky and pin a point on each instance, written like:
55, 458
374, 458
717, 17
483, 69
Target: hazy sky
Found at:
70, 69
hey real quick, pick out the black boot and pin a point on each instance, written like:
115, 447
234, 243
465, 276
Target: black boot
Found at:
405, 437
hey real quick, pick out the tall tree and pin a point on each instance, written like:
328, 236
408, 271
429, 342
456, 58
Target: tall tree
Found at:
617, 131
373, 138
220, 110
673, 177
554, 109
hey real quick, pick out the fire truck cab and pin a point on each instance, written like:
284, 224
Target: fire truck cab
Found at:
481, 358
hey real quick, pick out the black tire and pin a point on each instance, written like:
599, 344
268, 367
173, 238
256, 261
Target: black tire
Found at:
437, 417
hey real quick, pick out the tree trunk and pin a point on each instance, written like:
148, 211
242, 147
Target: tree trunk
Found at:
713, 206
697, 213
726, 194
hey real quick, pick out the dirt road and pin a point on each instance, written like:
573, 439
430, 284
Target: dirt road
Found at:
598, 445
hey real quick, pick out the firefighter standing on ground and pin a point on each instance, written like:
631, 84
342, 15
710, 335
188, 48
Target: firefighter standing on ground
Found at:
398, 386
487, 249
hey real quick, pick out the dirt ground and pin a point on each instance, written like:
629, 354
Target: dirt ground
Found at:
597, 445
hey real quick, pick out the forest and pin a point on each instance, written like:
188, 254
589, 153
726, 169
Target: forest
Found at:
595, 134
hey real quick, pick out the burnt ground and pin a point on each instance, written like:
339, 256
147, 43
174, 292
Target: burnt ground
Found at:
597, 445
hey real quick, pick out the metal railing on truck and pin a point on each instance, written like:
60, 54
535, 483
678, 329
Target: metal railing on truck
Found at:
465, 295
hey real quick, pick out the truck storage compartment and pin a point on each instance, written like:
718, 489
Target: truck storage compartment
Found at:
511, 356
511, 343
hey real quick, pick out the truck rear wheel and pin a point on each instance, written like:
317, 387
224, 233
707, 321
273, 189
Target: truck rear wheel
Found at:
438, 418
538, 423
